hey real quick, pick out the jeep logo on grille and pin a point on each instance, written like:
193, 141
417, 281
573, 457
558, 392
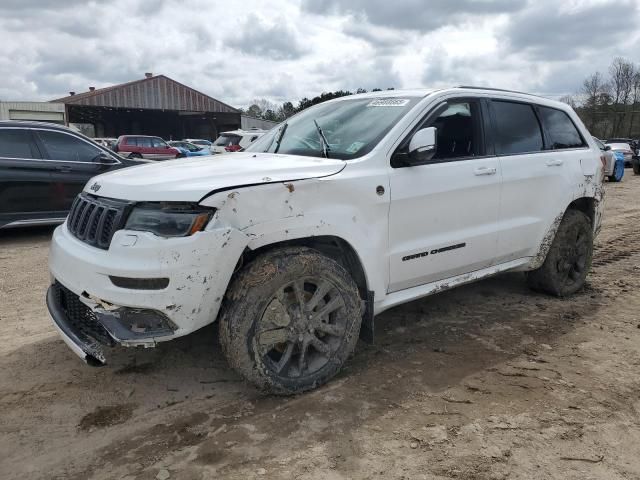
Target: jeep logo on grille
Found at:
95, 187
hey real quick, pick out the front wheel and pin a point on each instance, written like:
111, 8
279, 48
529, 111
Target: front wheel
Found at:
135, 156
636, 166
568, 261
290, 320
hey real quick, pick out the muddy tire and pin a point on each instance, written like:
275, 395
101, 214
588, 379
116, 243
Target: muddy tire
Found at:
568, 261
290, 320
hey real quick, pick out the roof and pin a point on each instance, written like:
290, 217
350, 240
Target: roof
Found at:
155, 92
471, 90
33, 124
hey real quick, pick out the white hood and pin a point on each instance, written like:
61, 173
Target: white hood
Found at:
191, 179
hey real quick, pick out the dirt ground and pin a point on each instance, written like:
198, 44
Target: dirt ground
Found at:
489, 381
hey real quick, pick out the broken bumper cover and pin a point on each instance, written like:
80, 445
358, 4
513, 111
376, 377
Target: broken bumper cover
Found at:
197, 268
82, 345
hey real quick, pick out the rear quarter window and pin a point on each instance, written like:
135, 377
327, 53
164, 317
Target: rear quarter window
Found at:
560, 128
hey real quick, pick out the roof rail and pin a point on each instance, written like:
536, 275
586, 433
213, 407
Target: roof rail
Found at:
497, 90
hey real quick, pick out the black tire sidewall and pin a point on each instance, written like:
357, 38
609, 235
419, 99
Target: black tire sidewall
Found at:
248, 297
547, 278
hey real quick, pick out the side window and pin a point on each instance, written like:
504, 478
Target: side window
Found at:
517, 129
158, 143
16, 143
144, 142
131, 141
562, 131
62, 146
459, 131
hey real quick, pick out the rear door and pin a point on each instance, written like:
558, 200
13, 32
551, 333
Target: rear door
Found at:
538, 177
75, 161
443, 215
144, 148
25, 179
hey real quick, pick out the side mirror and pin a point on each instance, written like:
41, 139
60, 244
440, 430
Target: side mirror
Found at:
607, 148
423, 145
103, 158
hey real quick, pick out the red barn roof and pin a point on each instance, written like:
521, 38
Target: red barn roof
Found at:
154, 93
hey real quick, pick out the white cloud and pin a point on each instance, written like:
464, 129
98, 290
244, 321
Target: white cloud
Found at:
288, 49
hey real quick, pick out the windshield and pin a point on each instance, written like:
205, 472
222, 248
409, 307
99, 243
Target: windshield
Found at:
351, 128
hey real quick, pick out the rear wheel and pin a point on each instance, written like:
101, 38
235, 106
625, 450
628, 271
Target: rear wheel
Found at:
135, 155
290, 320
568, 261
636, 166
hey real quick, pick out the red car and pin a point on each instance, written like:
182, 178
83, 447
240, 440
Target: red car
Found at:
141, 146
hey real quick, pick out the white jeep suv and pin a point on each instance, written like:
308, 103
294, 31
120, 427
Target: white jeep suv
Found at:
349, 208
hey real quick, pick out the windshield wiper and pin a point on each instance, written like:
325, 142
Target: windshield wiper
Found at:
278, 138
325, 145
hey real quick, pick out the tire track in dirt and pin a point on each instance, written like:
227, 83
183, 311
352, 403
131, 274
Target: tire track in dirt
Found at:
618, 248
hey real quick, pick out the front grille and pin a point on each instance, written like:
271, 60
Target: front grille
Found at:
95, 220
79, 316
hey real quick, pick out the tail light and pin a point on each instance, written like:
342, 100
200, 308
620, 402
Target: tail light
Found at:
233, 148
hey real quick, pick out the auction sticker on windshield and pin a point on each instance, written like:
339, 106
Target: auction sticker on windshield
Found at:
354, 147
389, 102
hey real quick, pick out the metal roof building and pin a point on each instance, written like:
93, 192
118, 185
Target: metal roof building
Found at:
154, 105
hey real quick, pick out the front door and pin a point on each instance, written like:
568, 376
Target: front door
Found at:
162, 149
444, 214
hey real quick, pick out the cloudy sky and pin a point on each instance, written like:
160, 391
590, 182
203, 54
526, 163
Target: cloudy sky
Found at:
287, 49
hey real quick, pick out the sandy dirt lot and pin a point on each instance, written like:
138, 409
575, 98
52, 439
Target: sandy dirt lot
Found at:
489, 381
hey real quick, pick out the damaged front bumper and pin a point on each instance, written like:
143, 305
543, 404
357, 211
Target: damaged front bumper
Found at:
141, 291
87, 329
85, 347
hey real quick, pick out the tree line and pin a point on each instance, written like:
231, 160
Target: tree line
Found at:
609, 104
264, 109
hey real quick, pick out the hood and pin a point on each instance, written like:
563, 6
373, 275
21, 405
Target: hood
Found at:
190, 179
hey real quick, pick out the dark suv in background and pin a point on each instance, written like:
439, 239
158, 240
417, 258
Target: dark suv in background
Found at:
43, 167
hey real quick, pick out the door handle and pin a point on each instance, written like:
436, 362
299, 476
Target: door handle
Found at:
554, 163
485, 171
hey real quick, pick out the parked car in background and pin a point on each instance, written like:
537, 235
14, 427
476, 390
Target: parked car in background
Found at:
413, 200
43, 167
201, 143
625, 148
236, 140
613, 161
142, 146
189, 149
110, 143
630, 141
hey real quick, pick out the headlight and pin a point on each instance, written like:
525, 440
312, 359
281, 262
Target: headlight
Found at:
168, 220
